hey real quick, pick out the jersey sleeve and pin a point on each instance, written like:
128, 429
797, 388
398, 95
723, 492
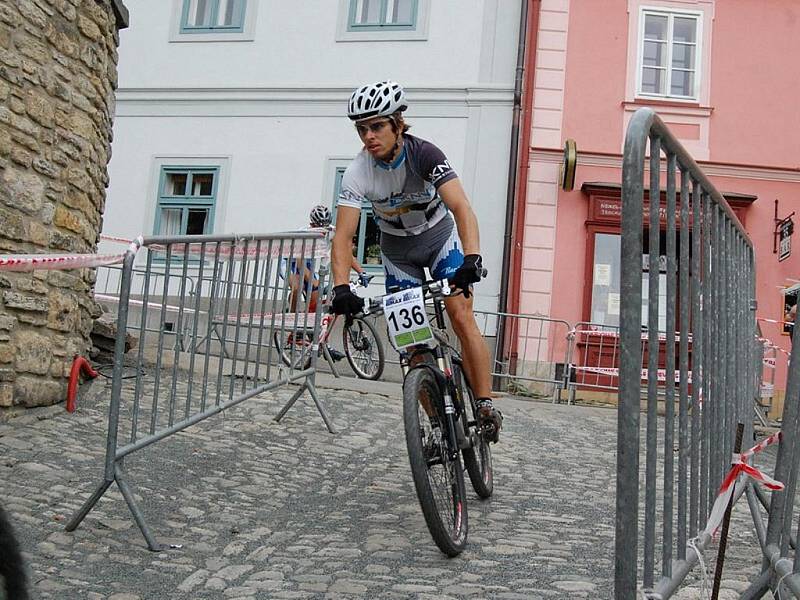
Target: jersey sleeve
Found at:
351, 193
434, 165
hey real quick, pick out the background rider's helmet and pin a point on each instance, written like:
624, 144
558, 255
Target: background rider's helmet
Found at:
320, 216
381, 99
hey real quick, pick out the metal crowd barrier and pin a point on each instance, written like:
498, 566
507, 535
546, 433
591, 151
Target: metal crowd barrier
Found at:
781, 561
594, 359
766, 364
716, 279
108, 281
536, 364
189, 280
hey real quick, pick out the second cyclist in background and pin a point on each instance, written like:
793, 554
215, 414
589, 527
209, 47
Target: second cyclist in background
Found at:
306, 280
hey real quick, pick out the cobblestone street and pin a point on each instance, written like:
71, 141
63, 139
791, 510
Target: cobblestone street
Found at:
258, 509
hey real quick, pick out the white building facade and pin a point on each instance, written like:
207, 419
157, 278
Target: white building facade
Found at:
231, 114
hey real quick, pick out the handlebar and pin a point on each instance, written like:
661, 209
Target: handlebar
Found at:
434, 288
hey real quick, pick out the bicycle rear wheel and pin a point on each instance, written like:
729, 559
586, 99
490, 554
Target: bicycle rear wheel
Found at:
363, 349
436, 470
478, 457
294, 347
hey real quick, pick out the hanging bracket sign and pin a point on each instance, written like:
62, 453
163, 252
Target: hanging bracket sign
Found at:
785, 230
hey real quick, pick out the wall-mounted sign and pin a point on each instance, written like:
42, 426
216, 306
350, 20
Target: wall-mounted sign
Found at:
785, 230
568, 165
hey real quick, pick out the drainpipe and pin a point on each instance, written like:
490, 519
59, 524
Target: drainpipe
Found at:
511, 274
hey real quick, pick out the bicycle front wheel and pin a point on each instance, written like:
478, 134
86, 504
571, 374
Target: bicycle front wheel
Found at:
363, 349
435, 467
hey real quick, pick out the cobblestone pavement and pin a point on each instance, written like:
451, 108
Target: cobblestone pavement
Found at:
258, 509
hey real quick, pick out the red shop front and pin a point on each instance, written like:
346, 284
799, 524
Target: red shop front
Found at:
597, 341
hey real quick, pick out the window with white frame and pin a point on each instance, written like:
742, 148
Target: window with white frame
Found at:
669, 54
187, 197
382, 14
367, 241
213, 16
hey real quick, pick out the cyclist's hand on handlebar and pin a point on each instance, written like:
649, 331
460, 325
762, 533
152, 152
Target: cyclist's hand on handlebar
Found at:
364, 279
471, 271
345, 301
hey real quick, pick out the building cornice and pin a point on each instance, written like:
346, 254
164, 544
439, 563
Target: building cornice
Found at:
323, 100
614, 161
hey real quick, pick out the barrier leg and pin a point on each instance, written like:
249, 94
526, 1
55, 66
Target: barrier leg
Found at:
137, 514
327, 354
307, 385
758, 588
84, 510
320, 407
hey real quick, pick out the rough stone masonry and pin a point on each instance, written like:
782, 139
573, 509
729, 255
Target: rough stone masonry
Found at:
58, 73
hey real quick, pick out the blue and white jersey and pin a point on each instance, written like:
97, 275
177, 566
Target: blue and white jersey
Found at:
403, 194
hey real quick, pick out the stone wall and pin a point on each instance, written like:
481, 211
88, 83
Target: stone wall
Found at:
58, 72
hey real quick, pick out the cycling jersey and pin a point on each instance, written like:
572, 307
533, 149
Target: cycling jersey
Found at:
403, 193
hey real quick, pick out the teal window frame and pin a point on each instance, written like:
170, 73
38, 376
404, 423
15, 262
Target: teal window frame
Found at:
186, 202
237, 27
361, 233
382, 25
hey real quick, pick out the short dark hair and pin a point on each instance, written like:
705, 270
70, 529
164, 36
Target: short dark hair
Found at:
398, 121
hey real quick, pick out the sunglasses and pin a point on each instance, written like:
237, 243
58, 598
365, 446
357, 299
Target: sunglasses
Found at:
375, 127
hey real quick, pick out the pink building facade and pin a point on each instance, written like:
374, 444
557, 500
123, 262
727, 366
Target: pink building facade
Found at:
723, 75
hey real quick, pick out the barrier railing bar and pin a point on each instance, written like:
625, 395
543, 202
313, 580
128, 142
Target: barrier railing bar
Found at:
195, 323
669, 388
653, 277
627, 492
683, 352
209, 325
695, 478
706, 365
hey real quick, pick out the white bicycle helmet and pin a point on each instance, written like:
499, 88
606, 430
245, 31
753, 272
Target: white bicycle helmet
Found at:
320, 216
381, 99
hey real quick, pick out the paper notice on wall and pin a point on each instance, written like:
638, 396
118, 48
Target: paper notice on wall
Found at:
602, 274
613, 304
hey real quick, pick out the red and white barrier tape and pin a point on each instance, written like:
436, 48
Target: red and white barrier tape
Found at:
661, 374
765, 320
769, 344
33, 262
615, 334
740, 467
287, 249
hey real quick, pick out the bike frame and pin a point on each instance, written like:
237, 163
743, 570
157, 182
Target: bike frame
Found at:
442, 352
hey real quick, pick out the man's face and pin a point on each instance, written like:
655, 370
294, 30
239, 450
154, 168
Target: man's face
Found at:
377, 136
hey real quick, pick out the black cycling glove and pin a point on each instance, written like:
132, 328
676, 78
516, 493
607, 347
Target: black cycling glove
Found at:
345, 302
468, 273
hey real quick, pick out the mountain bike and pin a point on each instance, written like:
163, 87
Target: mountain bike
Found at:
362, 345
439, 413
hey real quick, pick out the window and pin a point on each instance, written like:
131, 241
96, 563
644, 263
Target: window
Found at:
383, 20
213, 16
606, 282
383, 14
366, 242
186, 201
669, 54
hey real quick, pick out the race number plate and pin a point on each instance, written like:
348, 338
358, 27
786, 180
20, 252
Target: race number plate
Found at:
406, 317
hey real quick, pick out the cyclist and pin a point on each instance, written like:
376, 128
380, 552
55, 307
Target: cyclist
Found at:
320, 216
425, 220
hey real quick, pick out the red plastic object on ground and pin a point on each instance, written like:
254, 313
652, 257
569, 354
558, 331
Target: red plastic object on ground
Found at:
79, 365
